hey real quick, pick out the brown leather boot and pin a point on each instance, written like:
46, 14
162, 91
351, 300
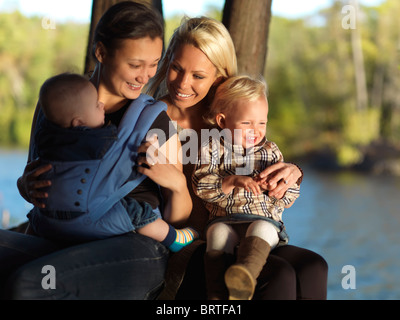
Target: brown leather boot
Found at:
240, 278
215, 263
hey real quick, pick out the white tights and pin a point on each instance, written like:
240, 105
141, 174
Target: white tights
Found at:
223, 237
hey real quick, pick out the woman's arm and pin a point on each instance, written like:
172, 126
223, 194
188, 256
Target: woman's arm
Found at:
28, 184
178, 204
164, 167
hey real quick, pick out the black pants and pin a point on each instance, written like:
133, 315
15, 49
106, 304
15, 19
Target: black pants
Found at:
290, 273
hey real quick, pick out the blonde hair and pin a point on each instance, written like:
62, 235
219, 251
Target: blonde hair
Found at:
206, 34
242, 87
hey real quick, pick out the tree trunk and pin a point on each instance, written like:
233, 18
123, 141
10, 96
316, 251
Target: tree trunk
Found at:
98, 9
248, 23
358, 58
377, 87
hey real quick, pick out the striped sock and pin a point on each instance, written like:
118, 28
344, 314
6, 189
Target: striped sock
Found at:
176, 239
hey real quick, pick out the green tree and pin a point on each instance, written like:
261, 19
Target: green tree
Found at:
30, 53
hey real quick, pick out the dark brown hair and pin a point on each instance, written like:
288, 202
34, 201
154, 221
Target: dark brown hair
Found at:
59, 86
127, 20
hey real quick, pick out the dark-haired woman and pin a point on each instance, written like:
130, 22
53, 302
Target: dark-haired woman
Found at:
127, 48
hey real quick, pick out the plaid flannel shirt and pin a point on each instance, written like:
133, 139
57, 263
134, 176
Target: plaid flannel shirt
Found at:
219, 159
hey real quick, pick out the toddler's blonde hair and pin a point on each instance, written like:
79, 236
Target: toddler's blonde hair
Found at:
242, 87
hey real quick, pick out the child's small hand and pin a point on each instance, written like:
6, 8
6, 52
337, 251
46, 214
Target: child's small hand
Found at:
248, 183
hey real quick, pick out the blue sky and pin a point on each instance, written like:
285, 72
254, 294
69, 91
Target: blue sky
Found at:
80, 10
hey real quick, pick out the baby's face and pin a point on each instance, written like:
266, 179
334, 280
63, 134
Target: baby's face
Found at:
92, 109
247, 121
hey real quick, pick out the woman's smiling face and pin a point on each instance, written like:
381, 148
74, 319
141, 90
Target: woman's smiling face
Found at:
130, 66
190, 76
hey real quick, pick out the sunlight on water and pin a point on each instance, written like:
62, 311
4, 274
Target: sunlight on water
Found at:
351, 219
12, 165
348, 218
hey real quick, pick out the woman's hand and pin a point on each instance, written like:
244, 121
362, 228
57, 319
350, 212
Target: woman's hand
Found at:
29, 184
278, 178
165, 175
168, 174
154, 163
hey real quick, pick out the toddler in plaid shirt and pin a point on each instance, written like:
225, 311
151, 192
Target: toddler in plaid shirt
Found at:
227, 179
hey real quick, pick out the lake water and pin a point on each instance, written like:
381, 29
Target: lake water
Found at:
350, 219
12, 164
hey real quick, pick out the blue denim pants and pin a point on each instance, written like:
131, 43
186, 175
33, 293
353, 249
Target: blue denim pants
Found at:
129, 266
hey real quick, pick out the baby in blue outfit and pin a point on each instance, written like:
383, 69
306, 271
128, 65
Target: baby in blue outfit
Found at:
71, 130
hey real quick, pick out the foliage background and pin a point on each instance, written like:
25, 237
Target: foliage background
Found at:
310, 71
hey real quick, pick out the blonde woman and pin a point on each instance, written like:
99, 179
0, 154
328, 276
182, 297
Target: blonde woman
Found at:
199, 57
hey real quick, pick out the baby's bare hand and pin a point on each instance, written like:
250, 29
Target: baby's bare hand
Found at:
248, 183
